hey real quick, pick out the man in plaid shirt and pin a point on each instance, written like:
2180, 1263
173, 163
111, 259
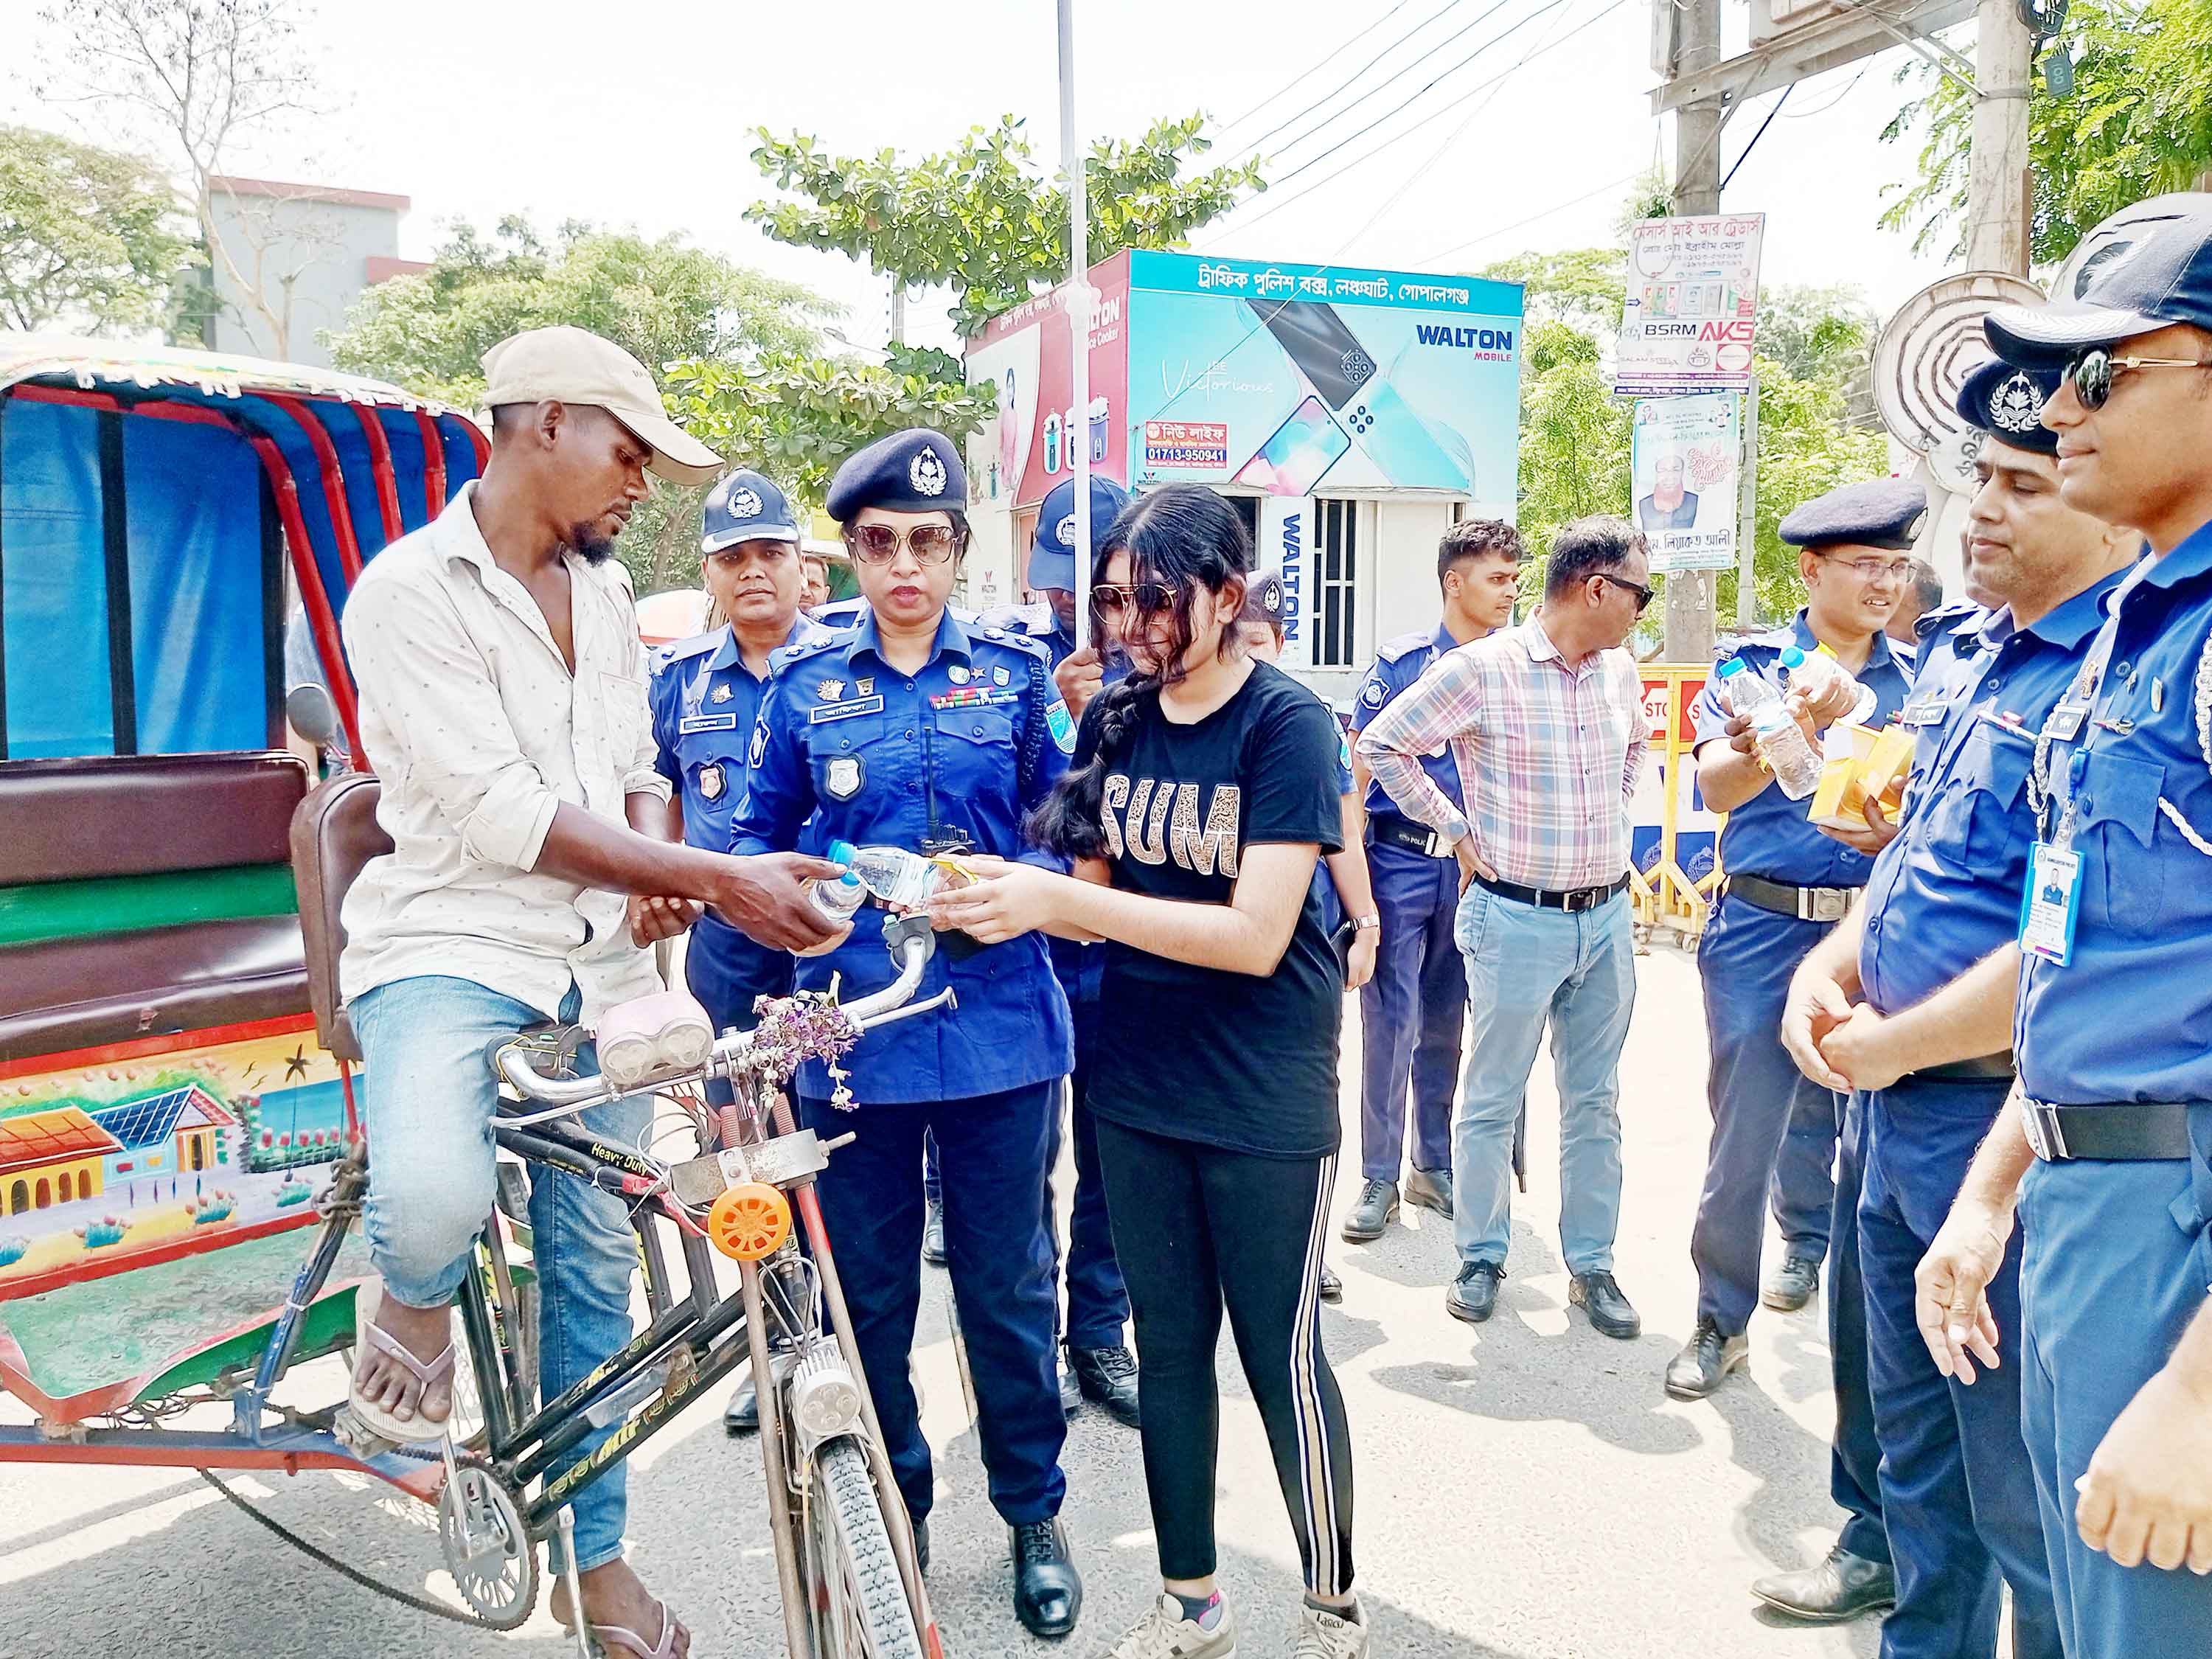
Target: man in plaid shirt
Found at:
1546, 721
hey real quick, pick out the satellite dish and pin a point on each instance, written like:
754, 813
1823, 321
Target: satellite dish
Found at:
1924, 355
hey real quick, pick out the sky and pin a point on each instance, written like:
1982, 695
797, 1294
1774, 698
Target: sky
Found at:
641, 115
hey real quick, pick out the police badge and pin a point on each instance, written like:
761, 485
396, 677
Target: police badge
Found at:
842, 781
744, 503
957, 674
999, 676
719, 693
711, 782
927, 473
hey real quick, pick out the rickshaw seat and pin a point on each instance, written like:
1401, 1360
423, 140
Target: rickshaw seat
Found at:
334, 835
107, 823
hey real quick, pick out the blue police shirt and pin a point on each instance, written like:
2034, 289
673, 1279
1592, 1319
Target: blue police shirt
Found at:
1945, 892
705, 702
2130, 1017
1943, 666
1398, 663
965, 746
1770, 835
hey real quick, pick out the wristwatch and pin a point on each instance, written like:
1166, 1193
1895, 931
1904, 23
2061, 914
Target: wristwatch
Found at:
1363, 923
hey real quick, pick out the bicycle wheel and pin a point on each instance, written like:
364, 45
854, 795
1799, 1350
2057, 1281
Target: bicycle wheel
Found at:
860, 1608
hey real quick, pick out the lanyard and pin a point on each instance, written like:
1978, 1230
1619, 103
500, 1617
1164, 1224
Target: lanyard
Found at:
2066, 722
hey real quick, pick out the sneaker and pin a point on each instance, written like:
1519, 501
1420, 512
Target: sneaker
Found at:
1611, 1313
1325, 1635
1431, 1189
1331, 1287
932, 1236
1165, 1634
1793, 1284
1473, 1295
1376, 1208
1108, 1377
1706, 1360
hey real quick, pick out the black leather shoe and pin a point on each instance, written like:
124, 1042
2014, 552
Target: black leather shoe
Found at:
1473, 1295
1706, 1360
1331, 1287
1792, 1285
1431, 1189
1107, 1377
1611, 1313
932, 1236
1047, 1589
1845, 1586
1377, 1206
921, 1542
742, 1414
1071, 1391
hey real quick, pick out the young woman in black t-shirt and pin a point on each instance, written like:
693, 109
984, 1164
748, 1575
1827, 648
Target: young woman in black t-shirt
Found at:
1203, 792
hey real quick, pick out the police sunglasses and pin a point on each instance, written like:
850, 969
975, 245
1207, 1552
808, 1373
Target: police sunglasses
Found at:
2094, 370
1643, 595
1147, 598
879, 543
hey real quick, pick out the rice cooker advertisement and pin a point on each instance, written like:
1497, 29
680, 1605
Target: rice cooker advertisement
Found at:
1291, 378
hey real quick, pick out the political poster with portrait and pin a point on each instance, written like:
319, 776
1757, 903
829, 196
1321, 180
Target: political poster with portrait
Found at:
1690, 316
1683, 459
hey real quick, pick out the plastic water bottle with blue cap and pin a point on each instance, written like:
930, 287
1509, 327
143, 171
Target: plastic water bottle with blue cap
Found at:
1814, 674
900, 879
1781, 742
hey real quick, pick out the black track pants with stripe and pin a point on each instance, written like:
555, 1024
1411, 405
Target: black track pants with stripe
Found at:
1197, 1228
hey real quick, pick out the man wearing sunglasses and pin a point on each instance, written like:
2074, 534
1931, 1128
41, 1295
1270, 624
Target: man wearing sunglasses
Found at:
1775, 1131
2104, 1149
914, 730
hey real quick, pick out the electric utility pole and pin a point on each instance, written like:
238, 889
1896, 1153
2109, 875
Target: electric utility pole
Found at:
1689, 621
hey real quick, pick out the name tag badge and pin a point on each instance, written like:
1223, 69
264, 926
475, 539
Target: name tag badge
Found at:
1922, 711
2065, 722
2052, 904
843, 711
691, 723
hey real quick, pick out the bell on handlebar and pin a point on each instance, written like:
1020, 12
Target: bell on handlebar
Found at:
900, 931
667, 1031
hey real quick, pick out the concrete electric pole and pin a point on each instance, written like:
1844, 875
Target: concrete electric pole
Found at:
1997, 180
1689, 619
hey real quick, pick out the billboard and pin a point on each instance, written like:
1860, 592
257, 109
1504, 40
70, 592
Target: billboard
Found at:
1683, 459
1689, 324
1285, 379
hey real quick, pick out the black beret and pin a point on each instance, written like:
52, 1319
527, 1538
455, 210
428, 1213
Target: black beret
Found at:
2006, 403
1880, 512
910, 471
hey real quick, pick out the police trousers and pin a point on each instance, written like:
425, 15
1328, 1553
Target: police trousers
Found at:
1411, 1013
2114, 1264
1000, 1254
1958, 1494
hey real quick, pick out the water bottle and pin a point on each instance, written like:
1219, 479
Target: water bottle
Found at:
837, 900
898, 877
1813, 674
1774, 730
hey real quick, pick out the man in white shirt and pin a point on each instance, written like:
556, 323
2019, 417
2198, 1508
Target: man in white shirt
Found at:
503, 705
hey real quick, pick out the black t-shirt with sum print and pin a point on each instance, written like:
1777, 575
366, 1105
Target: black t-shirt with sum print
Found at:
1237, 1060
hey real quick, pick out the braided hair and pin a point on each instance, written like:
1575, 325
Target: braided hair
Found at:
1183, 537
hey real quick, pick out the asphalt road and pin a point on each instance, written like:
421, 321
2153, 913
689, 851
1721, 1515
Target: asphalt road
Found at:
1525, 1490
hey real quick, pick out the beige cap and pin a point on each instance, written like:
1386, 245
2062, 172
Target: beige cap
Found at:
575, 366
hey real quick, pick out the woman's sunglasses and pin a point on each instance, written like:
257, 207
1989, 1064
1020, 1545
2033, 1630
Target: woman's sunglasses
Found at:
1145, 599
2094, 370
879, 543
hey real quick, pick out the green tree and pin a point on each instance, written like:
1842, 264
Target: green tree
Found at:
88, 237
983, 218
2137, 122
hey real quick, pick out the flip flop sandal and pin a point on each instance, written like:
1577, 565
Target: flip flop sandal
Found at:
604, 1638
369, 1336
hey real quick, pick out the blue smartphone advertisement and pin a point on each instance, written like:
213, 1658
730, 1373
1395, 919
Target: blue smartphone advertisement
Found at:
1303, 449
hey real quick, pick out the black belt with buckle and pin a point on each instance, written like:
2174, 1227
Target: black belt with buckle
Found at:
1548, 898
2129, 1133
1413, 837
1986, 1068
1805, 903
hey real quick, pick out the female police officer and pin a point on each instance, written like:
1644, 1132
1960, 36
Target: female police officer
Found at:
913, 731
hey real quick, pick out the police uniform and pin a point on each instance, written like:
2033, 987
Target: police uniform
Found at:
1413, 1011
951, 755
1774, 1129
705, 702
1957, 1490
1097, 1301
2116, 1214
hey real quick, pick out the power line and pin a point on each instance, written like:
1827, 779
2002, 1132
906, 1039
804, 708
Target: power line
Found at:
1507, 230
1319, 63
1775, 110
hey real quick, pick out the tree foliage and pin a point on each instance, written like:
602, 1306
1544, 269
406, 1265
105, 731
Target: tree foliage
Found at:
2138, 123
88, 237
983, 218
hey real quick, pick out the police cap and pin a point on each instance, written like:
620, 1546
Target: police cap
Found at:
2007, 404
745, 507
1052, 554
1880, 512
912, 472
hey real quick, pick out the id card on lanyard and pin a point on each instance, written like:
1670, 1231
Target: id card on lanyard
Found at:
2050, 906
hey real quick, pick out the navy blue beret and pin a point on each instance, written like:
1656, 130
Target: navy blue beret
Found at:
745, 507
1880, 512
1052, 554
910, 471
2006, 403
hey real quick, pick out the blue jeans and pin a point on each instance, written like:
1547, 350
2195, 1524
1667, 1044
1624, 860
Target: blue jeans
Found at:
429, 1098
1527, 966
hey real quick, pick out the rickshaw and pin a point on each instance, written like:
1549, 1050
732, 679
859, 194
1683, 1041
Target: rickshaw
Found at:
181, 1161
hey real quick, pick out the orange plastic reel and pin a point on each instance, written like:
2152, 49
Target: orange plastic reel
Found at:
749, 1221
